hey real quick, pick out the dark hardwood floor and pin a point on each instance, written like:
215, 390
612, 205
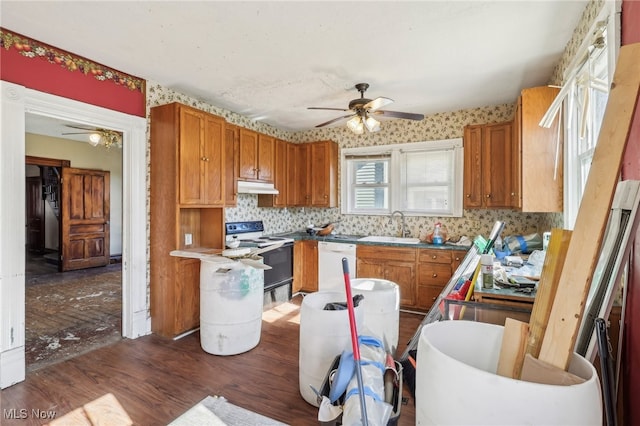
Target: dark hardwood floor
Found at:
156, 379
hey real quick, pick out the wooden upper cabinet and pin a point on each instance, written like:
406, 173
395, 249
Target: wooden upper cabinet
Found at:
537, 158
487, 166
248, 155
201, 157
256, 156
280, 178
297, 176
472, 182
266, 157
232, 135
323, 163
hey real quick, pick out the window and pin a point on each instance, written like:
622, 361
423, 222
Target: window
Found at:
423, 178
586, 99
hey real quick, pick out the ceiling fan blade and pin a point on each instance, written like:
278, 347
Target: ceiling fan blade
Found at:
330, 109
82, 128
377, 103
397, 114
334, 120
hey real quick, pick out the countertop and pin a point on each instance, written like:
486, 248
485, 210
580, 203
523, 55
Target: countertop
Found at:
354, 239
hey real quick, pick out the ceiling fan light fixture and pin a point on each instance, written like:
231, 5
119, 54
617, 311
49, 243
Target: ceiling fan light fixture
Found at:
372, 124
355, 125
94, 138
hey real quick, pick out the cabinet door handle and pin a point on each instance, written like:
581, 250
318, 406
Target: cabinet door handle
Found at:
468, 195
435, 275
203, 158
434, 256
488, 195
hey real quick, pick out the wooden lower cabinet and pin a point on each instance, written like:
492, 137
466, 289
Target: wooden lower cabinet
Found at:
187, 294
305, 266
395, 264
435, 268
421, 274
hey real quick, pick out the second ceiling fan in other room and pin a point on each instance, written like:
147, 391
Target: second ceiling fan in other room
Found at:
97, 136
363, 111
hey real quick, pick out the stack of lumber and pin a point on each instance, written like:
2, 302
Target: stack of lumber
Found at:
541, 350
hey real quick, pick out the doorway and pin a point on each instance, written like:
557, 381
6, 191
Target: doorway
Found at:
73, 287
18, 101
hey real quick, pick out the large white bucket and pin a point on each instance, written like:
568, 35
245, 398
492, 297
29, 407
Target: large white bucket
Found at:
323, 336
231, 296
456, 383
381, 307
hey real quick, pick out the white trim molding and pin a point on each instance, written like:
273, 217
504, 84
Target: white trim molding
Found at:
16, 102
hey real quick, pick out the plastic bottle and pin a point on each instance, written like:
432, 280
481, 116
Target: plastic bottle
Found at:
486, 268
437, 235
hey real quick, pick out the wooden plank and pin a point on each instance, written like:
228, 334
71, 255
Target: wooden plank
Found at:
512, 351
536, 371
582, 255
547, 288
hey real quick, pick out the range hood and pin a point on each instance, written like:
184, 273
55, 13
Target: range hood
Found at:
245, 187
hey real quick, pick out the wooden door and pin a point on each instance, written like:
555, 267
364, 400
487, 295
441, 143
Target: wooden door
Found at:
280, 178
35, 214
266, 157
213, 154
318, 159
231, 164
304, 175
294, 174
497, 155
472, 182
403, 274
84, 219
191, 158
248, 155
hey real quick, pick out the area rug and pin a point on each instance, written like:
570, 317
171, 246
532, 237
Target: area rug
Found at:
217, 411
72, 313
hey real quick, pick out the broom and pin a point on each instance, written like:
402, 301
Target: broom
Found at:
354, 341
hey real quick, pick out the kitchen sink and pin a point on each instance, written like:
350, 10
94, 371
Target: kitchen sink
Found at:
395, 240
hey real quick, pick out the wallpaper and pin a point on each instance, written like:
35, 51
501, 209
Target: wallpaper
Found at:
439, 126
444, 125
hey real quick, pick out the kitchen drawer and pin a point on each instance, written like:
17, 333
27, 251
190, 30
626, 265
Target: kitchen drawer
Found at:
387, 253
434, 256
433, 274
427, 295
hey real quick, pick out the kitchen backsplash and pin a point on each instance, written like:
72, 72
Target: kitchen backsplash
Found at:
474, 222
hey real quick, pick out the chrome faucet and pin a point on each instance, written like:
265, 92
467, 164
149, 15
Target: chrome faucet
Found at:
404, 232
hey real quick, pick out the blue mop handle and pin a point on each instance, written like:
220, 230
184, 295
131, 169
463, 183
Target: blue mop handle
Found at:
354, 341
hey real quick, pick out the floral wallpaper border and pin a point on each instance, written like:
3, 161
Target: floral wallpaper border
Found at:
30, 48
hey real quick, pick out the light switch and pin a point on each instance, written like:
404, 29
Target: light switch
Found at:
188, 239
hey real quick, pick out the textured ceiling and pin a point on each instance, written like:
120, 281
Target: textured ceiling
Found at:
270, 60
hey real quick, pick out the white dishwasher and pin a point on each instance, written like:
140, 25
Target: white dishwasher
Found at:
330, 254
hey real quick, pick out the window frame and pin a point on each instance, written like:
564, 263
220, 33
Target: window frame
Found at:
574, 157
397, 184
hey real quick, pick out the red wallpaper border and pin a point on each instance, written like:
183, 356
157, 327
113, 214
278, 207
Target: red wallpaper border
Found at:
45, 68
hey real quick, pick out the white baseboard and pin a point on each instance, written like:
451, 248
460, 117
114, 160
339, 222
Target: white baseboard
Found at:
12, 367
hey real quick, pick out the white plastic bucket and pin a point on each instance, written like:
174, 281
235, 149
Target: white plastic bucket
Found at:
323, 336
231, 296
456, 383
381, 307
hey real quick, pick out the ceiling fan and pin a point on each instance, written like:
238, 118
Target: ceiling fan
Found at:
97, 136
363, 111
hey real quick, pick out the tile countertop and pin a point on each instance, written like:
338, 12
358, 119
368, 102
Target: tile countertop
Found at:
354, 239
